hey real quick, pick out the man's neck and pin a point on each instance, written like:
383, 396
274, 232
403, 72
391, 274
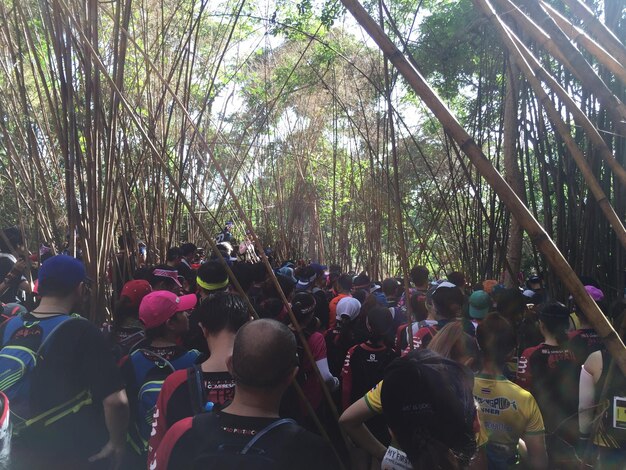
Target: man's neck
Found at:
221, 347
55, 305
255, 403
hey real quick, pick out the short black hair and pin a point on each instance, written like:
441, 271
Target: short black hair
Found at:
344, 282
445, 297
457, 278
224, 311
173, 253
390, 286
264, 354
212, 272
419, 275
187, 249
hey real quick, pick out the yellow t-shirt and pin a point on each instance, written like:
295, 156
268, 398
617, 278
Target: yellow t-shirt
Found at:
507, 411
374, 403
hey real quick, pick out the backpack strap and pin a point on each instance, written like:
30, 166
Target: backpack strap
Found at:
194, 383
431, 330
54, 330
267, 429
143, 364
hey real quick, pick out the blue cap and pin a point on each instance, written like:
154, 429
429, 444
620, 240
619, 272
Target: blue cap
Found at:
319, 268
60, 274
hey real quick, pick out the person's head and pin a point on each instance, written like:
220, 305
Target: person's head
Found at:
378, 321
320, 272
535, 283
429, 407
448, 300
418, 307
165, 278
306, 278
165, 315
6, 265
188, 251
131, 296
348, 310
512, 304
264, 357
390, 287
62, 277
173, 255
222, 312
303, 307
212, 279
270, 308
362, 281
496, 339
344, 283
554, 321
597, 295
457, 278
479, 304
419, 275
452, 342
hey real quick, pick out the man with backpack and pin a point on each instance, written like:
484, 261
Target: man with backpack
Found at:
67, 397
248, 434
164, 316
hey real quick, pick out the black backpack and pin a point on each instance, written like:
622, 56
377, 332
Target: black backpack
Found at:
216, 453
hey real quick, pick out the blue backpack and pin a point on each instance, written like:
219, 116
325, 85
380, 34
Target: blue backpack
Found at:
23, 349
151, 370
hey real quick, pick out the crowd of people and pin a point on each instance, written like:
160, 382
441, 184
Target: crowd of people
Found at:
351, 372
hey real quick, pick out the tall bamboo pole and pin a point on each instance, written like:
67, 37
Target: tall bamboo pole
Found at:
578, 35
604, 35
558, 122
537, 234
589, 78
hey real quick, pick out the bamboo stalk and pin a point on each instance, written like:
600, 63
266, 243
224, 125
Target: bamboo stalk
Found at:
556, 119
578, 35
491, 175
614, 107
603, 34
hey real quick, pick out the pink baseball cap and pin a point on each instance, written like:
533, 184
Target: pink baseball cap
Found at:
159, 306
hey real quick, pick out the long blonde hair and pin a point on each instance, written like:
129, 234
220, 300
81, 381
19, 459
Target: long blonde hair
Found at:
452, 342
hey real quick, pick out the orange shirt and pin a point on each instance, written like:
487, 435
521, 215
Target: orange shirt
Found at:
332, 307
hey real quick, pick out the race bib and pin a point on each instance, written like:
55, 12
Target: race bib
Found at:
395, 459
619, 412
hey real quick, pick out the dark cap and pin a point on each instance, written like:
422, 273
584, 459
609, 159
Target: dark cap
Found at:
425, 394
60, 273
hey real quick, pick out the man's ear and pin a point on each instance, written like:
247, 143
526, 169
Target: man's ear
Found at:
229, 364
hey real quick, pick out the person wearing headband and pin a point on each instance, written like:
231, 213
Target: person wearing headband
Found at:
211, 280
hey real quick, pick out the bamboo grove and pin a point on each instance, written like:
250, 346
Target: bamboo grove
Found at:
162, 119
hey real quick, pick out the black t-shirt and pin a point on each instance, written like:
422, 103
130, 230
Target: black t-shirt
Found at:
77, 357
292, 447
